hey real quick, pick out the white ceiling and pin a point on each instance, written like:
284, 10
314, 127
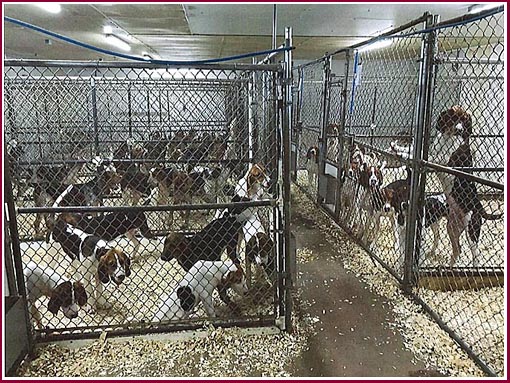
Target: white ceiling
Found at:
205, 31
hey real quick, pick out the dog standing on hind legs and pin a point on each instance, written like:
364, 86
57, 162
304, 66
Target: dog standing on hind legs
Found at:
451, 147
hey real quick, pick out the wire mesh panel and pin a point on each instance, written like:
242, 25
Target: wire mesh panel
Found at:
460, 266
421, 178
381, 114
164, 213
310, 114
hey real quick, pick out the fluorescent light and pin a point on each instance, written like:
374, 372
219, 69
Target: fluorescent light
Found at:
376, 45
50, 7
115, 41
483, 7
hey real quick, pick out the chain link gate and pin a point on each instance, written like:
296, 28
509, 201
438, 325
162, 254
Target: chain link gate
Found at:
412, 181
151, 189
460, 265
309, 124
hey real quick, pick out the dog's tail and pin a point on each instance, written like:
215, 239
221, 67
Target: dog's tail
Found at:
491, 217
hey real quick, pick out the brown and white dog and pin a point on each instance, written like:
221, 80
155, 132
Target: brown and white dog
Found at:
396, 200
65, 294
98, 262
371, 180
312, 165
465, 211
198, 285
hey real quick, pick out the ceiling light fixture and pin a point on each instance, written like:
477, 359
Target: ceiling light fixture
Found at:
376, 45
50, 7
115, 41
483, 7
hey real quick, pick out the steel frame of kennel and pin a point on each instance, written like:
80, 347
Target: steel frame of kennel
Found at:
354, 128
275, 102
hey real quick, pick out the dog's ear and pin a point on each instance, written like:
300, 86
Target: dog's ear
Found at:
102, 271
57, 297
126, 263
80, 293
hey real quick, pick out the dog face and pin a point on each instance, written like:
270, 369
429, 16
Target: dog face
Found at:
313, 154
113, 265
371, 175
69, 297
257, 175
175, 246
236, 279
259, 249
187, 299
356, 160
455, 122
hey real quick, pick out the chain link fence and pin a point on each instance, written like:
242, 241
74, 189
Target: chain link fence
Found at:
309, 126
147, 199
421, 167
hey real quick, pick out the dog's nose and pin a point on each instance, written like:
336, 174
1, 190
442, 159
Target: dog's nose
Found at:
73, 315
121, 277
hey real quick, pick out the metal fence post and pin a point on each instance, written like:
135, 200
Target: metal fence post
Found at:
341, 135
287, 124
323, 138
10, 211
413, 228
94, 116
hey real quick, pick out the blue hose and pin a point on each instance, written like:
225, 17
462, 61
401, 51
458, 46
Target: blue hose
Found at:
135, 58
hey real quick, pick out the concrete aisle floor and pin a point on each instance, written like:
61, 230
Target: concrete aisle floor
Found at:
353, 336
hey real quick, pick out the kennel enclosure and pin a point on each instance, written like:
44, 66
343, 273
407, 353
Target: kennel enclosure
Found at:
222, 118
380, 99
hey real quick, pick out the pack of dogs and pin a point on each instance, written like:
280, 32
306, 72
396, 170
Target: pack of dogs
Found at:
138, 171
86, 239
365, 195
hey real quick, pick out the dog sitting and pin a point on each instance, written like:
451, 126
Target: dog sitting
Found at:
99, 263
64, 294
112, 225
198, 285
312, 165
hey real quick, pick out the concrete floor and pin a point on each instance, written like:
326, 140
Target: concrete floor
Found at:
353, 336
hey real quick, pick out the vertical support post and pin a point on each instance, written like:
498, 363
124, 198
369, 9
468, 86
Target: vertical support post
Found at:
130, 113
341, 134
251, 114
286, 125
323, 139
94, 116
413, 228
16, 249
275, 26
147, 128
